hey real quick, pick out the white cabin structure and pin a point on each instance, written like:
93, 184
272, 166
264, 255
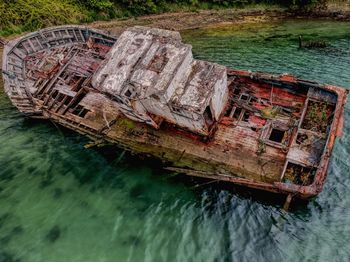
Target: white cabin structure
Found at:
152, 76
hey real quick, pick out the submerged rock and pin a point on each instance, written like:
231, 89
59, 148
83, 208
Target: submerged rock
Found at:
312, 44
17, 230
45, 183
132, 240
53, 234
57, 193
137, 191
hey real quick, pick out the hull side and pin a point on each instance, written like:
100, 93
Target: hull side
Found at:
48, 74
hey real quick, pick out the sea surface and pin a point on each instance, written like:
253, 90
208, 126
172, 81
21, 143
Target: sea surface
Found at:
62, 202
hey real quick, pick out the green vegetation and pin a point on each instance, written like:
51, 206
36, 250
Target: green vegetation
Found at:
28, 15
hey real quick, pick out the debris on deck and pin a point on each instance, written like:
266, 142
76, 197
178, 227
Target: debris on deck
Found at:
145, 92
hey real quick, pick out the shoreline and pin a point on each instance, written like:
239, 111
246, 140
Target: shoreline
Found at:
185, 20
180, 21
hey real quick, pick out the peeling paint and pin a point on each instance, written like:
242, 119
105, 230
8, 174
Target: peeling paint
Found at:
146, 93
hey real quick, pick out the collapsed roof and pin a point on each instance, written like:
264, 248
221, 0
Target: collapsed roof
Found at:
154, 63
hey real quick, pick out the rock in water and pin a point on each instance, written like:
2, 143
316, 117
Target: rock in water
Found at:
53, 234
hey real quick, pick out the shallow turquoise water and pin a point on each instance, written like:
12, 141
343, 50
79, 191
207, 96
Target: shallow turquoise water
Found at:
62, 202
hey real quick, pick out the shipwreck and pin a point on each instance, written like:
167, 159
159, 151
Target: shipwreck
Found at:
146, 93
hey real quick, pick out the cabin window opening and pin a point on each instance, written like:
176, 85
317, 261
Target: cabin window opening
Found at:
244, 97
60, 98
80, 111
176, 110
128, 93
253, 100
237, 113
246, 116
83, 112
208, 116
230, 109
54, 95
276, 135
67, 101
237, 91
74, 80
77, 110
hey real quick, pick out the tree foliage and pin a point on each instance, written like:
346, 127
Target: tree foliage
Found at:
33, 14
19, 15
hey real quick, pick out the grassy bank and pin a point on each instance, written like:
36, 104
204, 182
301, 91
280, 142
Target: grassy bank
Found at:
17, 16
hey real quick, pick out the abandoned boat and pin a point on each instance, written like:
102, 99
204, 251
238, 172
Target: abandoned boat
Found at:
145, 92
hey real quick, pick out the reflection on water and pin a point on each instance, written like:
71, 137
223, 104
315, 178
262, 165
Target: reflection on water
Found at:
61, 202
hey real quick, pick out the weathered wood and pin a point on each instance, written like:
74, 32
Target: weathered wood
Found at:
288, 201
149, 96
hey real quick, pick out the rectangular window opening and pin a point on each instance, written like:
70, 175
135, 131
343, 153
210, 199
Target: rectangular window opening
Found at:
237, 113
83, 112
67, 101
244, 97
237, 91
246, 116
208, 116
176, 110
60, 97
253, 100
128, 93
277, 135
77, 110
54, 95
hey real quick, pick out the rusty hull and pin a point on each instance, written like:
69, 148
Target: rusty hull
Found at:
267, 124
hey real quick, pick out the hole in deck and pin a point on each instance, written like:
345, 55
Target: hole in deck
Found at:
299, 175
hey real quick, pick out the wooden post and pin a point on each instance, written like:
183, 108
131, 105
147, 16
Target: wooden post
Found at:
288, 201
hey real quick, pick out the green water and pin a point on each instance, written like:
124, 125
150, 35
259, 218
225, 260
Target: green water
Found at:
62, 202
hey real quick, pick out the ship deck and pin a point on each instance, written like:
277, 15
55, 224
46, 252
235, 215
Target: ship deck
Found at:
276, 134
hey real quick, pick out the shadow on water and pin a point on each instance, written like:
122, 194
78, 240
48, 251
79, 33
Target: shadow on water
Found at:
200, 186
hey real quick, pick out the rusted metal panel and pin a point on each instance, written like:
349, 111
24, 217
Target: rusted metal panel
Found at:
274, 133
